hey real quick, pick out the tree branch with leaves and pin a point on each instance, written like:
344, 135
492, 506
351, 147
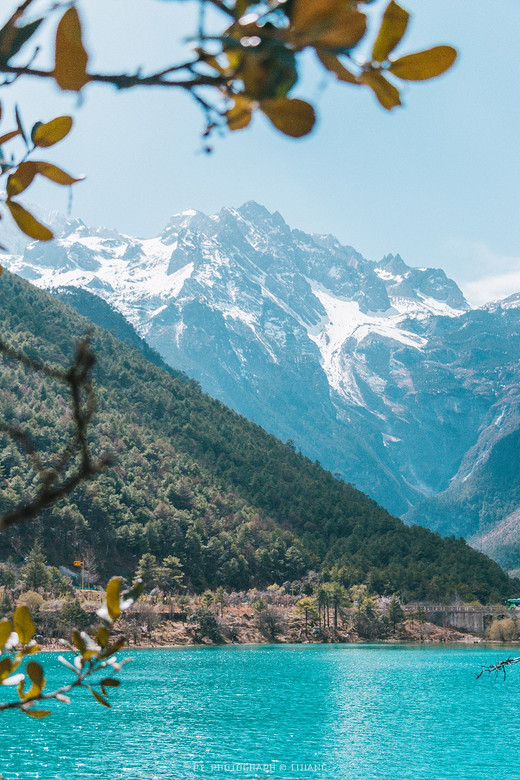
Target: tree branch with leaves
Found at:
95, 661
252, 64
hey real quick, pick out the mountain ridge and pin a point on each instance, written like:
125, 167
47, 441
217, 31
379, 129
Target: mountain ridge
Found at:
194, 479
381, 371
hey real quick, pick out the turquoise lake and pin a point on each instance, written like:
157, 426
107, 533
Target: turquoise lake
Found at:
356, 712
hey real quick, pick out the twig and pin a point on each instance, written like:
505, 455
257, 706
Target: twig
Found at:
502, 666
55, 481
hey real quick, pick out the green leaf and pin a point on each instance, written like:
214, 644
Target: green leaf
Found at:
32, 228
23, 624
6, 628
291, 116
424, 65
71, 59
34, 128
113, 591
12, 38
50, 133
20, 126
393, 27
22, 35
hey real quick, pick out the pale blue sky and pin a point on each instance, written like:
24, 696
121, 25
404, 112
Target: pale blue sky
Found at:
437, 181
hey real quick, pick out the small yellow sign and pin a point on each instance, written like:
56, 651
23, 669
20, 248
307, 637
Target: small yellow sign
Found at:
78, 563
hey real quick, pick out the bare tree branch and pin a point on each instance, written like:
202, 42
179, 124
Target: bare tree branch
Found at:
62, 477
501, 666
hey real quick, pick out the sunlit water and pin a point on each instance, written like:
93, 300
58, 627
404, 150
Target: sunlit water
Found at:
283, 712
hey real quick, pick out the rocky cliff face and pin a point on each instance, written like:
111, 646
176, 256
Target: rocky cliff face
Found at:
379, 370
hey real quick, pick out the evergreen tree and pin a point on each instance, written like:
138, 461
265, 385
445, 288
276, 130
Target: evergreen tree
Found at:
307, 607
170, 575
395, 612
34, 571
220, 599
206, 599
148, 571
322, 599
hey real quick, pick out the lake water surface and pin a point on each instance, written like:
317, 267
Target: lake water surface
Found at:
355, 712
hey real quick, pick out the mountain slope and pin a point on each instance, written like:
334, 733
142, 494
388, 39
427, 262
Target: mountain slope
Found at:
380, 371
194, 479
296, 332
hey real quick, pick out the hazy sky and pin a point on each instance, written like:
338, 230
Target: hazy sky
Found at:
437, 181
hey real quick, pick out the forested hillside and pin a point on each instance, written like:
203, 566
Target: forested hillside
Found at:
193, 479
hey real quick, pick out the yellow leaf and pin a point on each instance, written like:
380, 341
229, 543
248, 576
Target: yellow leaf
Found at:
100, 698
292, 116
329, 23
113, 591
70, 70
23, 624
18, 181
332, 63
51, 132
36, 675
424, 64
8, 136
307, 15
54, 173
102, 636
34, 229
6, 666
386, 93
78, 641
345, 32
113, 648
37, 713
6, 628
239, 116
393, 27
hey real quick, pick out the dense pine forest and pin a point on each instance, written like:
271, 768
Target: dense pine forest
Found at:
192, 479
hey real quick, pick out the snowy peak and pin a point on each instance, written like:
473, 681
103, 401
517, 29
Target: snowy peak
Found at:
422, 291
297, 331
394, 265
250, 267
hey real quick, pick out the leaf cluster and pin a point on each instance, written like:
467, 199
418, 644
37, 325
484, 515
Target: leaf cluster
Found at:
21, 171
254, 63
94, 656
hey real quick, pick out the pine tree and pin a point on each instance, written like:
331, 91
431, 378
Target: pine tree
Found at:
34, 571
395, 612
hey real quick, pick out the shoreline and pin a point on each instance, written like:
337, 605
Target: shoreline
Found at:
481, 642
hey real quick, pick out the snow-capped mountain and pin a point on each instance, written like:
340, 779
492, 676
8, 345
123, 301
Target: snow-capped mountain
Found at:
379, 370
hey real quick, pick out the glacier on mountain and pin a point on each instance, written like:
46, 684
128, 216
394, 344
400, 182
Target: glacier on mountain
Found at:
380, 370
